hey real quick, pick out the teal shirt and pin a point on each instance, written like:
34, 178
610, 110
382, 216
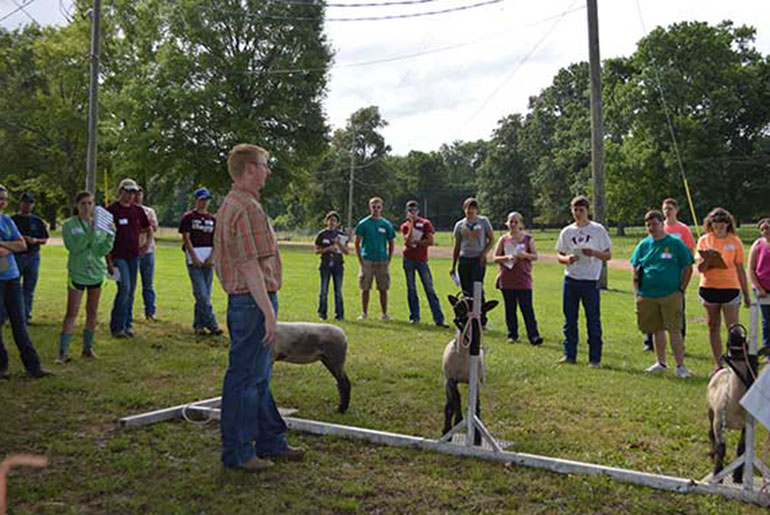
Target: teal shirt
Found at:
87, 248
663, 262
375, 234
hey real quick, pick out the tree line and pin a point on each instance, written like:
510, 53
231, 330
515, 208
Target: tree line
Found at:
181, 82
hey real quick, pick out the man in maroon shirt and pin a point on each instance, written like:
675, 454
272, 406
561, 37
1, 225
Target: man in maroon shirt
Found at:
197, 230
130, 221
418, 236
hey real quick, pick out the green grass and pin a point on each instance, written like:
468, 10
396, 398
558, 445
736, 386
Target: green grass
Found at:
616, 416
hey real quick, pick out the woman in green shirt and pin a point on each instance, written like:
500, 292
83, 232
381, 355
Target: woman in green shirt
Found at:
86, 267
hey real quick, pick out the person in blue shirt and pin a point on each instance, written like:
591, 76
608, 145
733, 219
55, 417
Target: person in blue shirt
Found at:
11, 299
662, 270
374, 248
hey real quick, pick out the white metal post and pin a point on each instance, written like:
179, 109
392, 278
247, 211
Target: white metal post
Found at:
473, 380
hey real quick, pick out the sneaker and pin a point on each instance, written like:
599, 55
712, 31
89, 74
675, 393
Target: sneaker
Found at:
39, 373
647, 348
119, 335
339, 319
322, 318
130, 333
412, 321
256, 465
88, 354
442, 324
564, 360
536, 341
200, 331
216, 330
362, 316
63, 359
385, 317
150, 318
682, 372
4, 374
513, 340
657, 367
594, 364
290, 454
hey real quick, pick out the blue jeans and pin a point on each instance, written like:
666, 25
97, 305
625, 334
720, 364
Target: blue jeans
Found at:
201, 279
524, 300
471, 270
587, 292
765, 325
147, 269
123, 306
410, 266
12, 301
332, 270
29, 266
250, 423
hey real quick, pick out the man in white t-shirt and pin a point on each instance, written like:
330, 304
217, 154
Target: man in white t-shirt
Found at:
582, 247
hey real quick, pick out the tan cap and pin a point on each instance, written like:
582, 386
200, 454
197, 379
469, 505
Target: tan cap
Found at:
128, 185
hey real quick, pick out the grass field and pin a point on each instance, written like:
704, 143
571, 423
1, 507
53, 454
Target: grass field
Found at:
615, 416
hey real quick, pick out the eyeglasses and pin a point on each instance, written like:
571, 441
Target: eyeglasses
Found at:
412, 209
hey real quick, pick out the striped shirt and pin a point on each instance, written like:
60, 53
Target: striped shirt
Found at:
243, 233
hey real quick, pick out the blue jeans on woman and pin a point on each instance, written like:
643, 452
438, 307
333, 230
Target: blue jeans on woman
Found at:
29, 267
201, 279
765, 325
587, 292
331, 270
410, 267
147, 270
12, 300
522, 298
123, 306
250, 422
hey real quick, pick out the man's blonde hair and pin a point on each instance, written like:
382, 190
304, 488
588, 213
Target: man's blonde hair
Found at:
243, 154
375, 199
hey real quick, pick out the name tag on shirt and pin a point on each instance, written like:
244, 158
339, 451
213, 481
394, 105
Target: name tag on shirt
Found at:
418, 225
478, 228
77, 230
729, 246
122, 221
326, 242
381, 229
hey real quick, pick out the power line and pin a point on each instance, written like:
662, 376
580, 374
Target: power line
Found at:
371, 4
19, 8
26, 12
366, 18
521, 63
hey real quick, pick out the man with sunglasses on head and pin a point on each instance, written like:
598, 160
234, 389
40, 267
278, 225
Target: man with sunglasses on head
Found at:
35, 233
374, 248
418, 236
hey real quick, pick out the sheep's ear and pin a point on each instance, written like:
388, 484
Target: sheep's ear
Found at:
489, 305
452, 299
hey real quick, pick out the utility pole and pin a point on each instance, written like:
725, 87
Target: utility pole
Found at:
597, 127
350, 185
93, 104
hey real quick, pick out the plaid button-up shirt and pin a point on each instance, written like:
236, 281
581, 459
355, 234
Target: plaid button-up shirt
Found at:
244, 233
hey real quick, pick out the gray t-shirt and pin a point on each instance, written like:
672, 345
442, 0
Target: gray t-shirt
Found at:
472, 236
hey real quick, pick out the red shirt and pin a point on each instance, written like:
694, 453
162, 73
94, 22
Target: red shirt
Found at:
200, 226
682, 232
420, 252
129, 222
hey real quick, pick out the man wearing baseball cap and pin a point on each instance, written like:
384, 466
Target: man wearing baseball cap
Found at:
197, 230
130, 221
35, 233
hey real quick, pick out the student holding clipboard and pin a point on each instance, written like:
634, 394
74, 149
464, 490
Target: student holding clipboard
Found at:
723, 279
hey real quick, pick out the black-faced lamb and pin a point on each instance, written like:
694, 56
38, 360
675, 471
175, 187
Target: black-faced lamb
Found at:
457, 363
725, 390
301, 343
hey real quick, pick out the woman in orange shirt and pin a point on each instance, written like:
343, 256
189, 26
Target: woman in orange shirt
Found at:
721, 282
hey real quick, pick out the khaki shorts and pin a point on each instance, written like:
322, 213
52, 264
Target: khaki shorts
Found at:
371, 270
655, 314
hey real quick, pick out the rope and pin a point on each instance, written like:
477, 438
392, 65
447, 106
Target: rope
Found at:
199, 423
464, 333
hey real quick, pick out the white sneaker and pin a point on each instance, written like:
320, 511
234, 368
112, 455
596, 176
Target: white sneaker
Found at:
682, 372
385, 317
362, 316
594, 364
657, 367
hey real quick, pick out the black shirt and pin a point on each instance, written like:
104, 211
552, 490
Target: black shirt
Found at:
33, 226
326, 238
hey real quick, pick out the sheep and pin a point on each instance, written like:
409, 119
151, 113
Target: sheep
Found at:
725, 390
302, 343
457, 364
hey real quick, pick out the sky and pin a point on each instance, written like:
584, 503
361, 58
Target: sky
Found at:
447, 77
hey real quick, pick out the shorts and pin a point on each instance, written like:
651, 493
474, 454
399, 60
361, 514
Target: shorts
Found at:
371, 270
72, 285
661, 313
718, 296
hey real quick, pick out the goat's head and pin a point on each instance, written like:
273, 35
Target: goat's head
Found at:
736, 343
464, 305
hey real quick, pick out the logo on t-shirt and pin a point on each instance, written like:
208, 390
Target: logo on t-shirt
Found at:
381, 229
206, 226
666, 254
581, 239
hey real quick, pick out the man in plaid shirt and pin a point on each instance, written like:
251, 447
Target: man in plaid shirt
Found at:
248, 265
